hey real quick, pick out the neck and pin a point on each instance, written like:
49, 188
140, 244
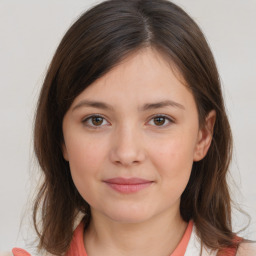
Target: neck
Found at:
159, 235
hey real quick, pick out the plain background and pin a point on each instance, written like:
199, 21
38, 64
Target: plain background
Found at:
30, 33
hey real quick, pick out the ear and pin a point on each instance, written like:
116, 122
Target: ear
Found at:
65, 152
205, 136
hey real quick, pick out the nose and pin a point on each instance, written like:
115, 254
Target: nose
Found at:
127, 147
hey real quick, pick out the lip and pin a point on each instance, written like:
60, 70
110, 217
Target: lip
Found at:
128, 185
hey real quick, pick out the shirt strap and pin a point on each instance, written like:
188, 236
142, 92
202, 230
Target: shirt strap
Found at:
77, 243
231, 251
183, 244
20, 252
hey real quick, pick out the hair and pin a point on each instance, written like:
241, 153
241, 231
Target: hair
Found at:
99, 40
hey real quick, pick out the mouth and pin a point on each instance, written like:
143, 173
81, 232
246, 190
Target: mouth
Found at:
127, 186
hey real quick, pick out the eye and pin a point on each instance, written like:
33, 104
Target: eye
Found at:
95, 121
161, 121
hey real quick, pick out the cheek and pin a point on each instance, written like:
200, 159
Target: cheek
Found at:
174, 160
175, 151
83, 152
174, 167
85, 158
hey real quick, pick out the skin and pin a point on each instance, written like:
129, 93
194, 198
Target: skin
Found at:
131, 142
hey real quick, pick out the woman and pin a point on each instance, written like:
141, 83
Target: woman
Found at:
131, 133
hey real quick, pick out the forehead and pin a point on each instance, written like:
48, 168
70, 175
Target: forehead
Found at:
144, 75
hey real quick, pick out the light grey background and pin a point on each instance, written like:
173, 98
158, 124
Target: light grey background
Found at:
29, 34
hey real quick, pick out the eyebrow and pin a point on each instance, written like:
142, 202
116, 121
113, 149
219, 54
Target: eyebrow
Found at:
161, 104
94, 104
145, 107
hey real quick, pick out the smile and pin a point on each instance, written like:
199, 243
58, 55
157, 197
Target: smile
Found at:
128, 186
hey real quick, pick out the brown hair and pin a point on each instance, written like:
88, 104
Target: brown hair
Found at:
94, 44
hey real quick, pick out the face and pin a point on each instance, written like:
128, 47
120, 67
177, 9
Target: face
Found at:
131, 138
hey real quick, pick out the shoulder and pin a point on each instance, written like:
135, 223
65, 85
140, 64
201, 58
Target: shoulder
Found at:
246, 249
15, 252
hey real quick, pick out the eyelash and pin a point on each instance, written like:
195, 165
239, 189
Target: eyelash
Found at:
85, 121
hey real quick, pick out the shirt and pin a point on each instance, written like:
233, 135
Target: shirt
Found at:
185, 246
189, 245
